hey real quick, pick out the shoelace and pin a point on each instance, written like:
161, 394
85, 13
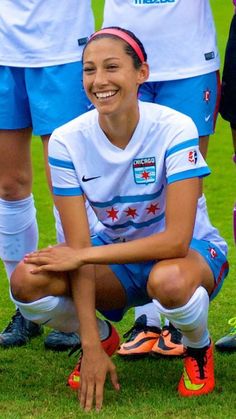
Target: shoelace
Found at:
76, 348
15, 321
200, 357
176, 335
137, 328
232, 323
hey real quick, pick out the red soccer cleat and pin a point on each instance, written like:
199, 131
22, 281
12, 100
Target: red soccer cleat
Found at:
110, 345
198, 375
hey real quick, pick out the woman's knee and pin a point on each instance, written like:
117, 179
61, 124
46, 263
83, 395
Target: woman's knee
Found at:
166, 283
23, 283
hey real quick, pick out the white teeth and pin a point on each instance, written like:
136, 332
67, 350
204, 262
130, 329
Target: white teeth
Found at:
104, 95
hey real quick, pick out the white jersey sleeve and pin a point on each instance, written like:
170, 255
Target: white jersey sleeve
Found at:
183, 157
64, 178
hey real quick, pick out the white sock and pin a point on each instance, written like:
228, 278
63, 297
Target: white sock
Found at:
151, 312
18, 231
58, 313
191, 319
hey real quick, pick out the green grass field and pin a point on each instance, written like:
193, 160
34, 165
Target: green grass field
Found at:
32, 380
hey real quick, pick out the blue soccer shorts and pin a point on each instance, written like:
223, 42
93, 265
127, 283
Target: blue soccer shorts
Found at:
134, 276
41, 98
197, 97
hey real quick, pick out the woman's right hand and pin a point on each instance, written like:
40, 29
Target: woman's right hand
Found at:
57, 259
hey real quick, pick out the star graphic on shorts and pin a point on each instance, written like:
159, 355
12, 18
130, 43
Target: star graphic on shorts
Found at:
112, 213
132, 212
145, 175
152, 209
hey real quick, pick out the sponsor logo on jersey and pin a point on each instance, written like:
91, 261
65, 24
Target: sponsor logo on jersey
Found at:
87, 179
151, 2
192, 156
144, 169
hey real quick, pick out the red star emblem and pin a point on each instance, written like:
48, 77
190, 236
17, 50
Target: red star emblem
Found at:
132, 212
112, 213
207, 95
152, 209
145, 175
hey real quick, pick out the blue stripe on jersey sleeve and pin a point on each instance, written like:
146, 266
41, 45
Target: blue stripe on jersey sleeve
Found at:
187, 174
128, 199
186, 144
67, 191
61, 163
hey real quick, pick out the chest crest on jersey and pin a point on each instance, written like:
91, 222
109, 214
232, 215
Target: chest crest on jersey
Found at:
144, 170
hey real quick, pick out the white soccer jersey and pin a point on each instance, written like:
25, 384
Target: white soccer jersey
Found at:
127, 188
178, 35
38, 33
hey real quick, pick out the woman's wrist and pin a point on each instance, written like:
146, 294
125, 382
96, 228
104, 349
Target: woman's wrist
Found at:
84, 256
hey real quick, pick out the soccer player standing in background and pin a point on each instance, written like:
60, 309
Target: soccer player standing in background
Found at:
41, 88
228, 112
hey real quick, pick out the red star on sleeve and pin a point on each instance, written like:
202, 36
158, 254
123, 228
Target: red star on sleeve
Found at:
112, 213
132, 212
152, 209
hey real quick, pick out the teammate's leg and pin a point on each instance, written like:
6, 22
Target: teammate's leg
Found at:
18, 226
59, 91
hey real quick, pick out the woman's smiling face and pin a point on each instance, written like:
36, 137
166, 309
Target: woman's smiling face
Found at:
110, 79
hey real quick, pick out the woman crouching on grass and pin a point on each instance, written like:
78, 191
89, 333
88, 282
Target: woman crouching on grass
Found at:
138, 165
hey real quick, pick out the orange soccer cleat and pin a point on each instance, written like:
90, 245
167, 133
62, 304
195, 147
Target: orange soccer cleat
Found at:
141, 339
169, 342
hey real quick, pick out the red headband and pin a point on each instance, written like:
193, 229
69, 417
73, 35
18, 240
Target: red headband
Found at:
123, 35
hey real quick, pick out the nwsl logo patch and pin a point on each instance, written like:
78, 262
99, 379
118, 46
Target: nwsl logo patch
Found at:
144, 170
213, 252
207, 95
192, 156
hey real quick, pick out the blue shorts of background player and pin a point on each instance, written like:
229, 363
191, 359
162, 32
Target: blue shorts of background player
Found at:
41, 98
198, 97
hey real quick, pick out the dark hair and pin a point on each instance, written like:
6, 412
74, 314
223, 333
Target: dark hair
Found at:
128, 48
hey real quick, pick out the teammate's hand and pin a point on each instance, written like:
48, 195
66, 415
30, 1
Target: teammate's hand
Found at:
58, 259
94, 368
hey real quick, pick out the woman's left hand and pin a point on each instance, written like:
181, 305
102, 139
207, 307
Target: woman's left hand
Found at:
57, 259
